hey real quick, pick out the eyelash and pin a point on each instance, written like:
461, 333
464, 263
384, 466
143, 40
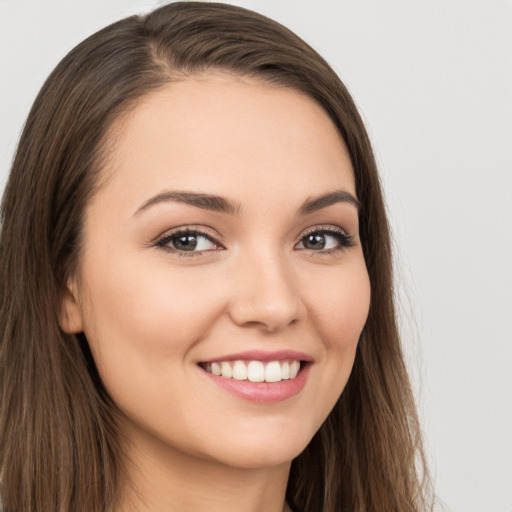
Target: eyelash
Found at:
191, 231
344, 240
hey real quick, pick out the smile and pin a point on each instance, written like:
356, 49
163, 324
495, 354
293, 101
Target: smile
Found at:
260, 376
254, 370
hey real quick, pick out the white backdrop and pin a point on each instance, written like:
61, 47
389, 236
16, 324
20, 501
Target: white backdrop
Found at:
433, 80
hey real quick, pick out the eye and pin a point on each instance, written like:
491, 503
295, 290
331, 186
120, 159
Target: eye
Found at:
325, 240
187, 241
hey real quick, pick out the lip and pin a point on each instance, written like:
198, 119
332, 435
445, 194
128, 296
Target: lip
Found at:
264, 356
262, 392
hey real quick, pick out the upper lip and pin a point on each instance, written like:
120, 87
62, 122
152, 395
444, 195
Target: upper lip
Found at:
263, 355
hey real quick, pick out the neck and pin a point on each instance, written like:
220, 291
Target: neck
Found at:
162, 479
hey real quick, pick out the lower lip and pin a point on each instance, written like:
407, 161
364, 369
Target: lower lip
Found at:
263, 392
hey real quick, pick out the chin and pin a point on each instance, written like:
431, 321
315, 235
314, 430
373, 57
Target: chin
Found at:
259, 459
262, 451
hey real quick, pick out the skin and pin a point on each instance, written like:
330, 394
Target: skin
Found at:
151, 315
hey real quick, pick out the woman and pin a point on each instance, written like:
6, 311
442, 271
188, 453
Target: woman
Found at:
195, 259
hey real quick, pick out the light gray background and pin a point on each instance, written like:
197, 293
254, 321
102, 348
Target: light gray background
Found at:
433, 79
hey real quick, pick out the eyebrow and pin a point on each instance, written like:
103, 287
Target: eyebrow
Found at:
337, 196
204, 201
223, 205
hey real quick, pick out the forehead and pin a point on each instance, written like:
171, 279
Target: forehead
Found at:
228, 136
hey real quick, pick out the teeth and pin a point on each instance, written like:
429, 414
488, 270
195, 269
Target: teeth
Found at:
239, 371
255, 371
226, 370
285, 370
273, 372
294, 369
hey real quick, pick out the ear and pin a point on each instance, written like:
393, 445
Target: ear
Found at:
70, 315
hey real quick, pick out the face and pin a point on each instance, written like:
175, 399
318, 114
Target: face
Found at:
225, 240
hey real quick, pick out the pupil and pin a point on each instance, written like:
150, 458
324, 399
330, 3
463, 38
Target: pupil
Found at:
186, 242
315, 241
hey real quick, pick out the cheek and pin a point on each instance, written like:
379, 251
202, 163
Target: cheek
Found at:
341, 309
338, 308
340, 317
142, 319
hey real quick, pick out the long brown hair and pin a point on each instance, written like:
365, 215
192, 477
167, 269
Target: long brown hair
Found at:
59, 446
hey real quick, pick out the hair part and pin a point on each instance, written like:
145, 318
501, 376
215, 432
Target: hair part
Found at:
59, 438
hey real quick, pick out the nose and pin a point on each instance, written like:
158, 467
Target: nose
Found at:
265, 293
